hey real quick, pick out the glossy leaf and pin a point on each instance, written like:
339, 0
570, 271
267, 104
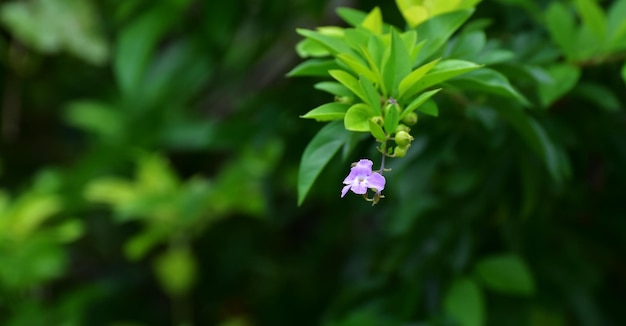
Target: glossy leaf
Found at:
374, 21
564, 78
358, 116
593, 17
351, 16
377, 131
506, 274
413, 78
356, 66
313, 67
327, 112
392, 118
134, 48
350, 82
334, 44
438, 30
396, 64
443, 71
417, 103
334, 88
561, 24
465, 303
373, 97
318, 153
489, 81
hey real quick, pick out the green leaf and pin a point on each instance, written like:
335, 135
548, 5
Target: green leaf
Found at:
538, 140
468, 45
593, 17
437, 30
95, 117
600, 95
334, 44
317, 154
334, 88
506, 274
465, 303
617, 25
309, 48
561, 24
176, 270
59, 25
429, 107
351, 16
357, 67
373, 98
564, 78
350, 82
358, 116
624, 72
392, 118
134, 48
417, 103
396, 64
374, 21
409, 81
490, 81
443, 71
377, 131
327, 112
314, 68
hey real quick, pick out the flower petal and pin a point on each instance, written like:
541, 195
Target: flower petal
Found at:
359, 187
344, 191
376, 180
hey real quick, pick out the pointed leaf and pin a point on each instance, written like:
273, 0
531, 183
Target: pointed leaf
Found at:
327, 112
317, 154
377, 131
416, 103
564, 78
334, 44
491, 81
334, 88
465, 303
351, 16
437, 30
409, 81
356, 66
392, 118
561, 24
350, 82
374, 21
313, 67
593, 16
373, 98
443, 71
506, 274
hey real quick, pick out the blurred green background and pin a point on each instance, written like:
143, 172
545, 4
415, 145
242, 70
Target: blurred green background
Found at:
150, 152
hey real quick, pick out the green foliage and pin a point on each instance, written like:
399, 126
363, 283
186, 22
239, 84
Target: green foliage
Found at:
154, 170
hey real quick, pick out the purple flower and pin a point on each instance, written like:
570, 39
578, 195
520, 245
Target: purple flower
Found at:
361, 178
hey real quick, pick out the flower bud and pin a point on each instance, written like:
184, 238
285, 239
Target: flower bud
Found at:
378, 120
389, 107
410, 119
402, 127
403, 139
400, 151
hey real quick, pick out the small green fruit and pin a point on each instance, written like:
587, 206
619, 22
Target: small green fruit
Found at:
402, 127
400, 151
410, 119
403, 139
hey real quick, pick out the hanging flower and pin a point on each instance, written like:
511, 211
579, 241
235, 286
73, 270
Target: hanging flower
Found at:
362, 178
